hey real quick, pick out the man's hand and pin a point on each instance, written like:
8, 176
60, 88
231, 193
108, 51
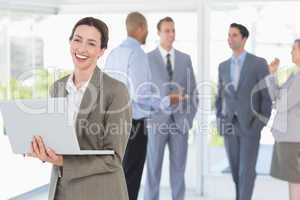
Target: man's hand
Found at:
45, 154
273, 66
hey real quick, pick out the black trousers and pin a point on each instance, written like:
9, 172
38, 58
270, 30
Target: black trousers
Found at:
134, 158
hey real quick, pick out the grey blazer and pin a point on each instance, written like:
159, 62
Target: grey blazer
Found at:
183, 76
250, 103
103, 122
286, 124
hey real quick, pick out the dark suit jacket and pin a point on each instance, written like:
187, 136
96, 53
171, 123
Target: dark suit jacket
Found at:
103, 123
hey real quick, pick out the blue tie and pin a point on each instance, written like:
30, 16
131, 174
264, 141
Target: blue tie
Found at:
236, 71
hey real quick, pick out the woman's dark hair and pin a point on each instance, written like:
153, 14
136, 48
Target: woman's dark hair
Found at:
98, 24
298, 42
243, 30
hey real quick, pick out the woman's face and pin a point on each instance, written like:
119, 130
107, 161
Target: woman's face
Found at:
296, 53
85, 47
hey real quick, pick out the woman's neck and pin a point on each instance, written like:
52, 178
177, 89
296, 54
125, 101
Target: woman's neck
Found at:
81, 76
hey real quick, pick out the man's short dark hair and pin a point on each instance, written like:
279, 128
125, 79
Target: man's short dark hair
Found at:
165, 19
243, 30
98, 24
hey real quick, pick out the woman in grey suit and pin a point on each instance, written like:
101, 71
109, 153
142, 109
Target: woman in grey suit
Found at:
100, 110
286, 125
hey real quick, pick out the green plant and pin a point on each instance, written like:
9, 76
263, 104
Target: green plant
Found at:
284, 73
215, 139
37, 86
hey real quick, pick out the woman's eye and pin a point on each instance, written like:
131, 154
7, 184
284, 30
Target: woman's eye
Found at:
76, 40
92, 44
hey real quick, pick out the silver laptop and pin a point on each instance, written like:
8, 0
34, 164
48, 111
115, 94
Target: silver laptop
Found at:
47, 118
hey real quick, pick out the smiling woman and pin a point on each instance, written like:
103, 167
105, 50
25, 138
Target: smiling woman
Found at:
85, 41
89, 177
285, 128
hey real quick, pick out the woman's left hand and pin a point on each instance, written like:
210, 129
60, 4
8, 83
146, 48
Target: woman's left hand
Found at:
273, 66
45, 154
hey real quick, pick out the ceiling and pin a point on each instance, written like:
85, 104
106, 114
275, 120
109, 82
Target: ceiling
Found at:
100, 6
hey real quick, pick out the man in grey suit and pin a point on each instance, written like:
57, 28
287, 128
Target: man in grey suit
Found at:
172, 71
243, 108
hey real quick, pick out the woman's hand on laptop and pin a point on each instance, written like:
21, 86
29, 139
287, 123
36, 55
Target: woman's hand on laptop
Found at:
45, 154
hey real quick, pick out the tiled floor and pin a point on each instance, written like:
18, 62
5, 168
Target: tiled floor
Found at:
41, 194
218, 187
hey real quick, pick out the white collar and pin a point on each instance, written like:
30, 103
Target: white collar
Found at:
165, 52
70, 86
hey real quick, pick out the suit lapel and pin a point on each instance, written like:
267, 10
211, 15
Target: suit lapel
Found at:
159, 58
161, 65
289, 80
90, 96
177, 66
244, 71
227, 71
228, 80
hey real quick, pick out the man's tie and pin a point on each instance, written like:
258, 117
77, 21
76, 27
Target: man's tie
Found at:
237, 73
169, 67
170, 73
